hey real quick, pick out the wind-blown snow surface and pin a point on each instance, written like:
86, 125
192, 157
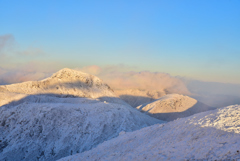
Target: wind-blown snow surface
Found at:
47, 120
211, 135
173, 106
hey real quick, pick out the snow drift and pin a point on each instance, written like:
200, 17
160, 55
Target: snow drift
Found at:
173, 106
211, 135
62, 115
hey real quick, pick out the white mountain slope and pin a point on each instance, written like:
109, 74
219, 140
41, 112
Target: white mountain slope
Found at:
43, 122
211, 135
64, 82
173, 106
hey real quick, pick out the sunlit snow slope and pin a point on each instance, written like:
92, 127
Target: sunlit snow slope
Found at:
65, 82
173, 106
211, 135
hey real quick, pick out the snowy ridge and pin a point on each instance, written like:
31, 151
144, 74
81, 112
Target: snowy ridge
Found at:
52, 118
65, 81
173, 106
226, 119
211, 135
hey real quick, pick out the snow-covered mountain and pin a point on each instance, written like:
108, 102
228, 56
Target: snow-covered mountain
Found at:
68, 113
65, 81
173, 106
211, 135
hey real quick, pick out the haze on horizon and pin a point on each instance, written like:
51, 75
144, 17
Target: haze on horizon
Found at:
193, 39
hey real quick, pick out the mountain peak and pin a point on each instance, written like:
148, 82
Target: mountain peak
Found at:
65, 82
69, 73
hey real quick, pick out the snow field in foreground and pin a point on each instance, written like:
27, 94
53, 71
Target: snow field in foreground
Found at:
211, 135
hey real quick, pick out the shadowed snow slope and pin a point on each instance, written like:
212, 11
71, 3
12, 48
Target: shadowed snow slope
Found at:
47, 120
136, 97
211, 135
173, 106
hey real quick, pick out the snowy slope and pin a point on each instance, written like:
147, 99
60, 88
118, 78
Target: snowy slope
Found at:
64, 82
52, 118
211, 135
173, 106
49, 131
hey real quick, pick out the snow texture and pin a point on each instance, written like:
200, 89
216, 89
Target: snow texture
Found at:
68, 113
173, 106
211, 135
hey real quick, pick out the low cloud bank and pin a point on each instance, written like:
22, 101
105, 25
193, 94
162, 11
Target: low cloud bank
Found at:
214, 93
120, 78
213, 88
30, 71
211, 93
117, 78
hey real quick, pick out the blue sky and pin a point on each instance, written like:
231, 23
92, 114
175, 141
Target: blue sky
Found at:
198, 39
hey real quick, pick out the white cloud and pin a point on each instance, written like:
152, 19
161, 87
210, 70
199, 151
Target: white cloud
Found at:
117, 78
